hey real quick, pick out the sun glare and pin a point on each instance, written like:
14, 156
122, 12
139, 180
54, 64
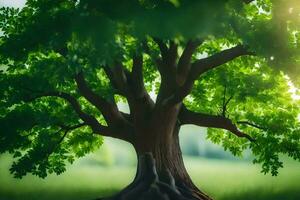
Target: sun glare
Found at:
293, 90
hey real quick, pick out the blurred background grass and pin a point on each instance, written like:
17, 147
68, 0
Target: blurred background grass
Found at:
111, 168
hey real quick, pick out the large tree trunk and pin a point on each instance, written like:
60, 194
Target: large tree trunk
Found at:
161, 174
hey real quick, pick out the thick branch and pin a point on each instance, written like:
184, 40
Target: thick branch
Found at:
203, 65
118, 77
137, 76
110, 76
184, 63
88, 119
167, 65
189, 117
167, 68
108, 109
162, 47
172, 55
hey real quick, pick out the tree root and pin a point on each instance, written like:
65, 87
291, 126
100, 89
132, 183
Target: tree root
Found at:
148, 186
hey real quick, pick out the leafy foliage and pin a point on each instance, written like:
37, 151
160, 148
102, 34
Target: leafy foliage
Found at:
46, 43
257, 95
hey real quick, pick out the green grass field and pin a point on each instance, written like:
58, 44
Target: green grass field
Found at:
223, 180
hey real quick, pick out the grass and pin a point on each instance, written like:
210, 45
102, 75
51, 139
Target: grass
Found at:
223, 180
226, 180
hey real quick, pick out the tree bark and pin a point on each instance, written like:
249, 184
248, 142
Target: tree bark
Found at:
161, 174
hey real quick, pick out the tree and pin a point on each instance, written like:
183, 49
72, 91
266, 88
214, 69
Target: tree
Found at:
225, 65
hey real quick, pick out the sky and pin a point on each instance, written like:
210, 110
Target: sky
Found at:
12, 3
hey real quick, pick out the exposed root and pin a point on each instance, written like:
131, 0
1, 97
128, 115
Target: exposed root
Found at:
148, 186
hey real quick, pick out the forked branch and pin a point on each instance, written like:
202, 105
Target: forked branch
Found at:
167, 64
108, 109
117, 75
86, 118
201, 66
162, 47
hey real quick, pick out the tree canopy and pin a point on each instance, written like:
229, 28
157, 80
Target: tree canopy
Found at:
234, 62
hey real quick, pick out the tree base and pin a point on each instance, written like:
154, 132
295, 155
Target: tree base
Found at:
148, 185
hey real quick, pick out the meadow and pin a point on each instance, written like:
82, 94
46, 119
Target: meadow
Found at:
223, 180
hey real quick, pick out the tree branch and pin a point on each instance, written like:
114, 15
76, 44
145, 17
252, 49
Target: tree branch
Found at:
110, 76
251, 124
118, 77
247, 1
137, 76
109, 110
189, 117
88, 119
225, 102
70, 128
162, 47
66, 129
203, 65
167, 68
172, 55
184, 63
167, 65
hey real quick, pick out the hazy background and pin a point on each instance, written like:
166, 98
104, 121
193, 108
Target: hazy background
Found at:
113, 166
